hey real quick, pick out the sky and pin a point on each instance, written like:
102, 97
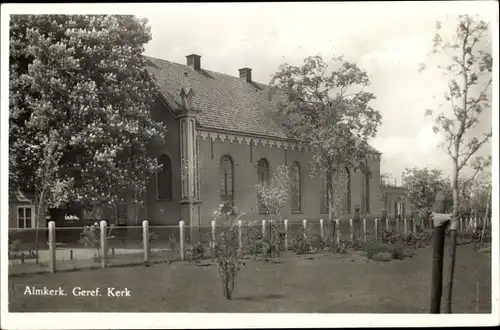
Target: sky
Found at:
387, 40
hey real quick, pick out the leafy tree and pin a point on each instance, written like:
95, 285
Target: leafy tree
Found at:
326, 108
475, 191
423, 187
274, 195
80, 97
464, 59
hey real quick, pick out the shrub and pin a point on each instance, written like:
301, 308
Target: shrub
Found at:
90, 236
272, 242
318, 243
195, 252
302, 243
228, 261
252, 242
382, 256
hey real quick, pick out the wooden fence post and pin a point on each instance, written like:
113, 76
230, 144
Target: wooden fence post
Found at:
104, 244
364, 229
414, 223
52, 246
387, 223
304, 225
406, 226
376, 229
264, 228
181, 234
351, 229
321, 230
212, 243
145, 240
240, 234
337, 231
286, 234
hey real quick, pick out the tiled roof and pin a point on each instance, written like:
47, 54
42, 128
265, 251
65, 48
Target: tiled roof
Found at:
225, 102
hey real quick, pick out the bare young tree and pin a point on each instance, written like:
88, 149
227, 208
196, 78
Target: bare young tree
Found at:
463, 57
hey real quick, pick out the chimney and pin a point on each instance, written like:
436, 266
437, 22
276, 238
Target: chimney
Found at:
194, 62
246, 74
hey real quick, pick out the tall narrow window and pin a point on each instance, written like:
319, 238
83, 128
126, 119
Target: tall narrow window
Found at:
164, 178
25, 217
263, 179
324, 200
296, 187
367, 192
226, 183
347, 193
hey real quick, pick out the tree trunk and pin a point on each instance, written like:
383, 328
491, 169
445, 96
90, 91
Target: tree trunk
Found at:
437, 269
38, 207
453, 238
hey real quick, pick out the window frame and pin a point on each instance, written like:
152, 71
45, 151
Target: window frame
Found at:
298, 191
32, 208
261, 208
232, 203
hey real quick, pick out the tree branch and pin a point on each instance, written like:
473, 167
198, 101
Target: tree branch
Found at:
473, 150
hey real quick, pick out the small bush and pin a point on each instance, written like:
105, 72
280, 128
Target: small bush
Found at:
195, 252
318, 243
382, 256
227, 256
302, 243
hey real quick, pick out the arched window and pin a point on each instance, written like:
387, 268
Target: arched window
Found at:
263, 179
164, 178
296, 187
226, 170
347, 197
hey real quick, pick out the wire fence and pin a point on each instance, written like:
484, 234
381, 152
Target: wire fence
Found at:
68, 248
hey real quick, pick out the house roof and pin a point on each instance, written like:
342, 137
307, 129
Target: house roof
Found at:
224, 102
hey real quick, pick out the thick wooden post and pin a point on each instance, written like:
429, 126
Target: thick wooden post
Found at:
264, 228
406, 226
364, 229
181, 234
321, 230
286, 234
52, 246
376, 230
437, 269
240, 234
304, 225
212, 243
104, 244
337, 231
145, 240
351, 229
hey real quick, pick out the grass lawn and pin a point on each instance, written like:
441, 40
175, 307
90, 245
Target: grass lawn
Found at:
329, 284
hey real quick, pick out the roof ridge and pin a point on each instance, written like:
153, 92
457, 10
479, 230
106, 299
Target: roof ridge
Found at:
210, 71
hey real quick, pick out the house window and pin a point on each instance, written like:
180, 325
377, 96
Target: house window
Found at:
25, 217
263, 179
164, 178
226, 170
347, 197
296, 187
324, 198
